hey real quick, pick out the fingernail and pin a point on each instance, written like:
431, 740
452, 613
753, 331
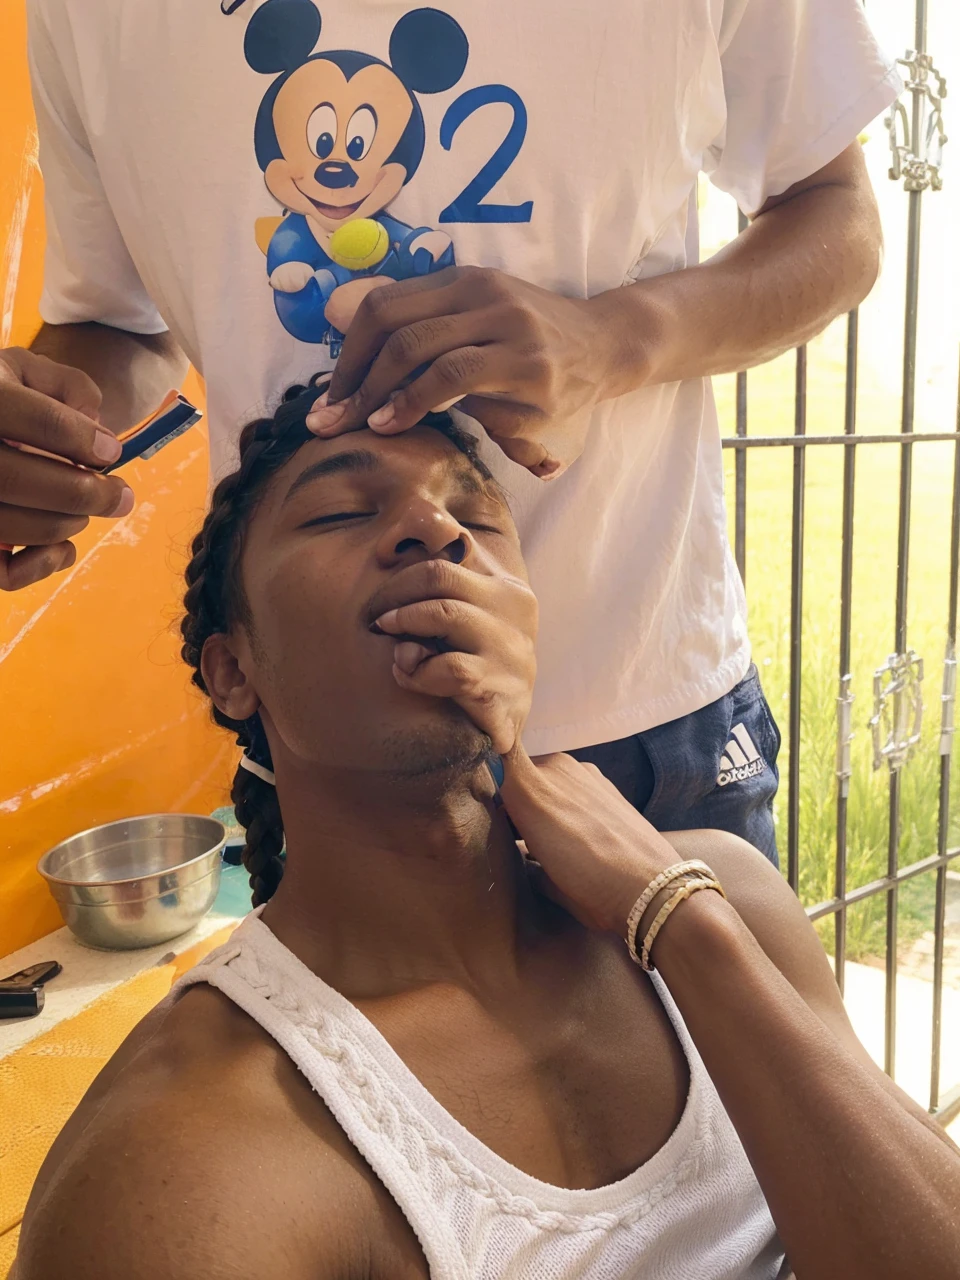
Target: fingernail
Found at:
321, 420
382, 418
387, 620
408, 656
125, 505
106, 447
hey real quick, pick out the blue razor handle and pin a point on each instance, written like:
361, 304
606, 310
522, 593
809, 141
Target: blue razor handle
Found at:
144, 444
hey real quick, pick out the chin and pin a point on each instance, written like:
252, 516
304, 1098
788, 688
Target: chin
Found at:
448, 752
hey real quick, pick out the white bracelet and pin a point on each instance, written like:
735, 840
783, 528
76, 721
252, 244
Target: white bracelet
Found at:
692, 868
679, 895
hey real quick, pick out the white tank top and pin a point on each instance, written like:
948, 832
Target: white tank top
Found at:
694, 1209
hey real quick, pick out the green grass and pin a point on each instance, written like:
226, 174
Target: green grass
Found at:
769, 502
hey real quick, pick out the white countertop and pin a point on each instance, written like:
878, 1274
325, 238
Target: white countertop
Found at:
89, 974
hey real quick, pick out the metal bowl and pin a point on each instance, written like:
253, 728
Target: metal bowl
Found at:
137, 882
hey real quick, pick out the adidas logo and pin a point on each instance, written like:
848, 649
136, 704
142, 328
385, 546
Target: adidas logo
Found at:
740, 759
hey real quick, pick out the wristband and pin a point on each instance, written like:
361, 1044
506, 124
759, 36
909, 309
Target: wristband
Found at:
693, 867
680, 895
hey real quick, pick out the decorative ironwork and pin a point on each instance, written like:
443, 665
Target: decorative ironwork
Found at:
917, 137
948, 701
845, 734
897, 717
917, 144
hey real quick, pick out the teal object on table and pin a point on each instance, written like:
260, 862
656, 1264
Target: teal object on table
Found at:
235, 897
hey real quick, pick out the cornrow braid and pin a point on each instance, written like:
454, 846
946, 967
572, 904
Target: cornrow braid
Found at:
215, 602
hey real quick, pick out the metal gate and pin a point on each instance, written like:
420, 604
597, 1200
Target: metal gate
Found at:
917, 136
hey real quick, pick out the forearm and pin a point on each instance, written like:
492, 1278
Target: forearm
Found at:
796, 267
857, 1186
133, 371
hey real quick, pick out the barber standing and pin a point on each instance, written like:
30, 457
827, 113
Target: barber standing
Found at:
499, 204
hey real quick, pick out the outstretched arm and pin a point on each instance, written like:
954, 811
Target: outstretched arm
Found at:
532, 364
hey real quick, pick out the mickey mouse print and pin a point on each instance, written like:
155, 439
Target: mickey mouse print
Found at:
338, 134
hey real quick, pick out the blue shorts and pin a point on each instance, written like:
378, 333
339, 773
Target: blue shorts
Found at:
716, 767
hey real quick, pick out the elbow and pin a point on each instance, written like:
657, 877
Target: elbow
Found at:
869, 262
865, 248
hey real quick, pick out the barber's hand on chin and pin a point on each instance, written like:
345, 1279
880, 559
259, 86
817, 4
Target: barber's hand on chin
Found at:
598, 854
44, 501
487, 627
524, 362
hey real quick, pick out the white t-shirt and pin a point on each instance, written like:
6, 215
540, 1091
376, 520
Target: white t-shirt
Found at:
559, 142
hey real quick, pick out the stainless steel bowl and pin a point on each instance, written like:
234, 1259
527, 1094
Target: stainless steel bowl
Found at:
137, 882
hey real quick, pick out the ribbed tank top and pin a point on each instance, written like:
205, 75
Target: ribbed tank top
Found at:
694, 1211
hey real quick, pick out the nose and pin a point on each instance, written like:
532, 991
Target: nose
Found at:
425, 532
335, 175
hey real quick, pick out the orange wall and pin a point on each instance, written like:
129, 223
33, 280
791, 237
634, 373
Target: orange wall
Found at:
97, 719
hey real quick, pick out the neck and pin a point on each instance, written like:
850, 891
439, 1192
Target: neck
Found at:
392, 883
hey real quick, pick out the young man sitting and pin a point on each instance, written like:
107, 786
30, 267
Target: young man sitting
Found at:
429, 1054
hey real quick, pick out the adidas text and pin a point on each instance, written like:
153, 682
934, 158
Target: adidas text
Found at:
740, 759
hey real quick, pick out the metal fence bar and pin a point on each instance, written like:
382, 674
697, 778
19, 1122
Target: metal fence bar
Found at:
845, 694
903, 561
946, 758
796, 623
907, 418
876, 887
803, 442
740, 462
939, 927
893, 902
917, 155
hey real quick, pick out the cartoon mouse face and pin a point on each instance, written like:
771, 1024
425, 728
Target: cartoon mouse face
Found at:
339, 133
337, 137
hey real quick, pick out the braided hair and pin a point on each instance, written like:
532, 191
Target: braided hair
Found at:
215, 602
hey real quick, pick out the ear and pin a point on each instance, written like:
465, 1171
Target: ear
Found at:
230, 690
280, 35
265, 142
428, 50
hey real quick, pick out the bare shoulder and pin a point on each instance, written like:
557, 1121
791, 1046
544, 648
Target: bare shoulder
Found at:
761, 895
773, 914
203, 1151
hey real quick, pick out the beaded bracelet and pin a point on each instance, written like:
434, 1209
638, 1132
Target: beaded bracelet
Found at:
693, 867
680, 895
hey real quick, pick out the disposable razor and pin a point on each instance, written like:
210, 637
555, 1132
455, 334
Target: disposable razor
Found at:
175, 416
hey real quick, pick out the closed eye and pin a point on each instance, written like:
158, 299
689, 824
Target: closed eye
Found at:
481, 528
337, 517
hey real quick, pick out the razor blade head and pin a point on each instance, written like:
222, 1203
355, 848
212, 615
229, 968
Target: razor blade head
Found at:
176, 417
20, 1002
